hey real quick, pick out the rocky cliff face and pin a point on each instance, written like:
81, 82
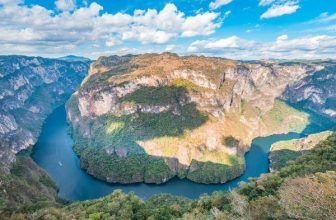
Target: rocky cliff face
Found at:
151, 117
316, 91
283, 151
30, 88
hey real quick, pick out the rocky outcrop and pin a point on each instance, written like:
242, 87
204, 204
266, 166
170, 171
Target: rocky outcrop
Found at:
283, 151
104, 64
30, 88
178, 113
316, 91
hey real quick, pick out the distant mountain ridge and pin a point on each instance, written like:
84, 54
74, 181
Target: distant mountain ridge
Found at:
30, 88
73, 58
193, 117
117, 95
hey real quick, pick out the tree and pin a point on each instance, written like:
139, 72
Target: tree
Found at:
310, 197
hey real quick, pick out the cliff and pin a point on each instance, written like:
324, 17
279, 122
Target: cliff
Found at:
151, 117
284, 151
30, 88
316, 92
303, 189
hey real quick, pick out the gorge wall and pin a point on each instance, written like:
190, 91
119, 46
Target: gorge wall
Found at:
148, 118
30, 88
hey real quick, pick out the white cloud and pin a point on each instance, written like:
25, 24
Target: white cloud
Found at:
326, 17
200, 25
160, 27
170, 47
282, 38
72, 27
266, 2
112, 41
65, 5
218, 3
19, 36
147, 35
278, 8
232, 47
227, 14
10, 2
309, 47
319, 44
324, 23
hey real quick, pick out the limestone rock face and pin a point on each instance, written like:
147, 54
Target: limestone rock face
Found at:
30, 88
317, 91
152, 117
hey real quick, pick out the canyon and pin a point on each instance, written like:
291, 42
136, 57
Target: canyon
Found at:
149, 118
30, 89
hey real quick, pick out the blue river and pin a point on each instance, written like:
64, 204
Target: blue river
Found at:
53, 152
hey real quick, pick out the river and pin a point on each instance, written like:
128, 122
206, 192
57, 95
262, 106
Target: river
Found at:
53, 152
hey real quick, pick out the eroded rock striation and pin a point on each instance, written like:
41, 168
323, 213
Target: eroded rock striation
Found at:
316, 92
30, 88
149, 118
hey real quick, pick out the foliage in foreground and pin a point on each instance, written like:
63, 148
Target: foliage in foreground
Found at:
27, 188
303, 189
283, 151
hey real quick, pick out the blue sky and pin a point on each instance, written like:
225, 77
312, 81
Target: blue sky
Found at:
238, 29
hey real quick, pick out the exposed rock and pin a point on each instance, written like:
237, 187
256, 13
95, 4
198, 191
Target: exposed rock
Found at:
30, 88
316, 91
104, 64
7, 124
283, 151
175, 112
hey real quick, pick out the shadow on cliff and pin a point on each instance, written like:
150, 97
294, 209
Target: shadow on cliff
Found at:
142, 167
320, 81
281, 158
317, 122
123, 160
149, 121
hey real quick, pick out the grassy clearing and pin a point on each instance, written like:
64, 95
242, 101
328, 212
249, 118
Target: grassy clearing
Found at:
282, 115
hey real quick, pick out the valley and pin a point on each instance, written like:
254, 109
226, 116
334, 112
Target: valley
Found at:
53, 152
30, 89
170, 109
139, 125
153, 117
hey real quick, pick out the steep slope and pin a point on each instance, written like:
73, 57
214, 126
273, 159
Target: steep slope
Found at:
304, 189
151, 117
283, 151
316, 92
30, 88
26, 188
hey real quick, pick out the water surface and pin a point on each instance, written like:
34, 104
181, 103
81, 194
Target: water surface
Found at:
53, 152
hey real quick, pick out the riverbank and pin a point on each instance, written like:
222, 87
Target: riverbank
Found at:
53, 152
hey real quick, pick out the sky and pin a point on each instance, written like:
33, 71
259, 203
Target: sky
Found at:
236, 29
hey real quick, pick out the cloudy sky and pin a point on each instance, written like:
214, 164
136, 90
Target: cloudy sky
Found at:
239, 29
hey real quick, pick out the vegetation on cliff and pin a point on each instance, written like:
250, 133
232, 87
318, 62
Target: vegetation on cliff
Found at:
26, 188
176, 112
283, 151
30, 89
303, 189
